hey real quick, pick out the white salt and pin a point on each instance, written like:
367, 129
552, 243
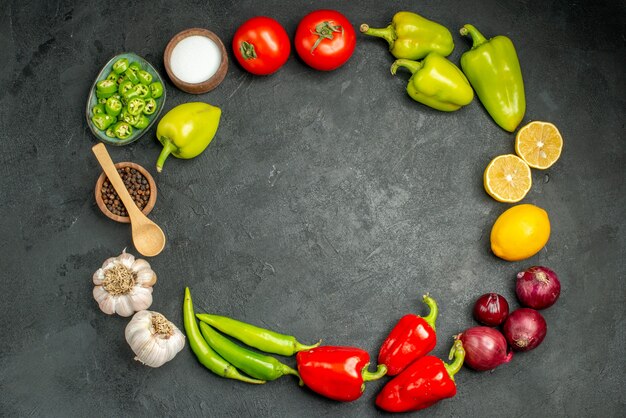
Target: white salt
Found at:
195, 59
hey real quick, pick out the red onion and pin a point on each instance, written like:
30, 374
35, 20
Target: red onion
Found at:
538, 287
491, 309
485, 348
525, 329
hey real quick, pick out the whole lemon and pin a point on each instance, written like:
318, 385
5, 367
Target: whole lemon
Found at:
520, 232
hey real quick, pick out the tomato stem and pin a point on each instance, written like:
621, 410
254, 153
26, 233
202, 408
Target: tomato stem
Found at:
323, 31
247, 50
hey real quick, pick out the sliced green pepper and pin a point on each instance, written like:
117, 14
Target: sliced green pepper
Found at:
128, 118
150, 106
120, 65
113, 106
135, 106
131, 94
103, 95
98, 109
132, 75
104, 87
142, 123
112, 76
121, 78
123, 130
143, 90
102, 121
101, 100
110, 132
125, 87
135, 66
156, 89
144, 77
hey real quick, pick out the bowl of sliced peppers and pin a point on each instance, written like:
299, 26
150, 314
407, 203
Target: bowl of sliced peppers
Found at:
125, 99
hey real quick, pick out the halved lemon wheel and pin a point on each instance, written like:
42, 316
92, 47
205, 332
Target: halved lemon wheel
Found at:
507, 178
539, 144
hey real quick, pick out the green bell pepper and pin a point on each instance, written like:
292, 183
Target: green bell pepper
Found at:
493, 69
186, 130
412, 36
144, 77
120, 65
436, 82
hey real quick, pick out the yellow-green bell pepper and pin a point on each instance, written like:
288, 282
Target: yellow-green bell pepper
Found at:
412, 36
186, 130
493, 69
436, 82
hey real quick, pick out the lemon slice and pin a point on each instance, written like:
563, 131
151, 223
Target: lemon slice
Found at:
539, 144
507, 178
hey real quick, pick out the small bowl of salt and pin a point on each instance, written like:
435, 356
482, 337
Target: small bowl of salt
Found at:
196, 60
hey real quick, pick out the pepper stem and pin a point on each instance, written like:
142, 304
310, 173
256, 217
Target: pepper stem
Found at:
388, 33
168, 147
410, 65
477, 37
458, 353
368, 376
434, 311
301, 347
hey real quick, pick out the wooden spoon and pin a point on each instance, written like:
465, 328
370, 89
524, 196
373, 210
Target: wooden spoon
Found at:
148, 238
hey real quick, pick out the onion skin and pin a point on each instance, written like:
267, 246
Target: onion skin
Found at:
491, 309
485, 348
537, 287
525, 329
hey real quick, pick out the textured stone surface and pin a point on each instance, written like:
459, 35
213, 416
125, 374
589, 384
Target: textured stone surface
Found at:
326, 205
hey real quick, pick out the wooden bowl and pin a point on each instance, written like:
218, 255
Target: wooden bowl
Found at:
151, 201
205, 86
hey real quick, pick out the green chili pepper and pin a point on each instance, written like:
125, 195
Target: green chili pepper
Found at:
135, 106
102, 120
142, 122
106, 87
260, 338
156, 89
205, 354
150, 106
121, 78
143, 91
103, 95
97, 109
120, 65
101, 100
125, 87
113, 106
128, 118
252, 363
135, 66
112, 76
131, 75
493, 69
123, 130
110, 132
144, 77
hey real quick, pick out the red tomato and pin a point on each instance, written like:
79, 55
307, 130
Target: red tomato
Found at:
261, 45
325, 39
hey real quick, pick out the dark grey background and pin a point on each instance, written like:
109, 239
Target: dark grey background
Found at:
327, 204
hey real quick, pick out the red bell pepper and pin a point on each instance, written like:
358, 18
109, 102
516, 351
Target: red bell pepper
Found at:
337, 373
422, 384
412, 337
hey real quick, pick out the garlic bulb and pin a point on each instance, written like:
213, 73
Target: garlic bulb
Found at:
153, 338
124, 285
